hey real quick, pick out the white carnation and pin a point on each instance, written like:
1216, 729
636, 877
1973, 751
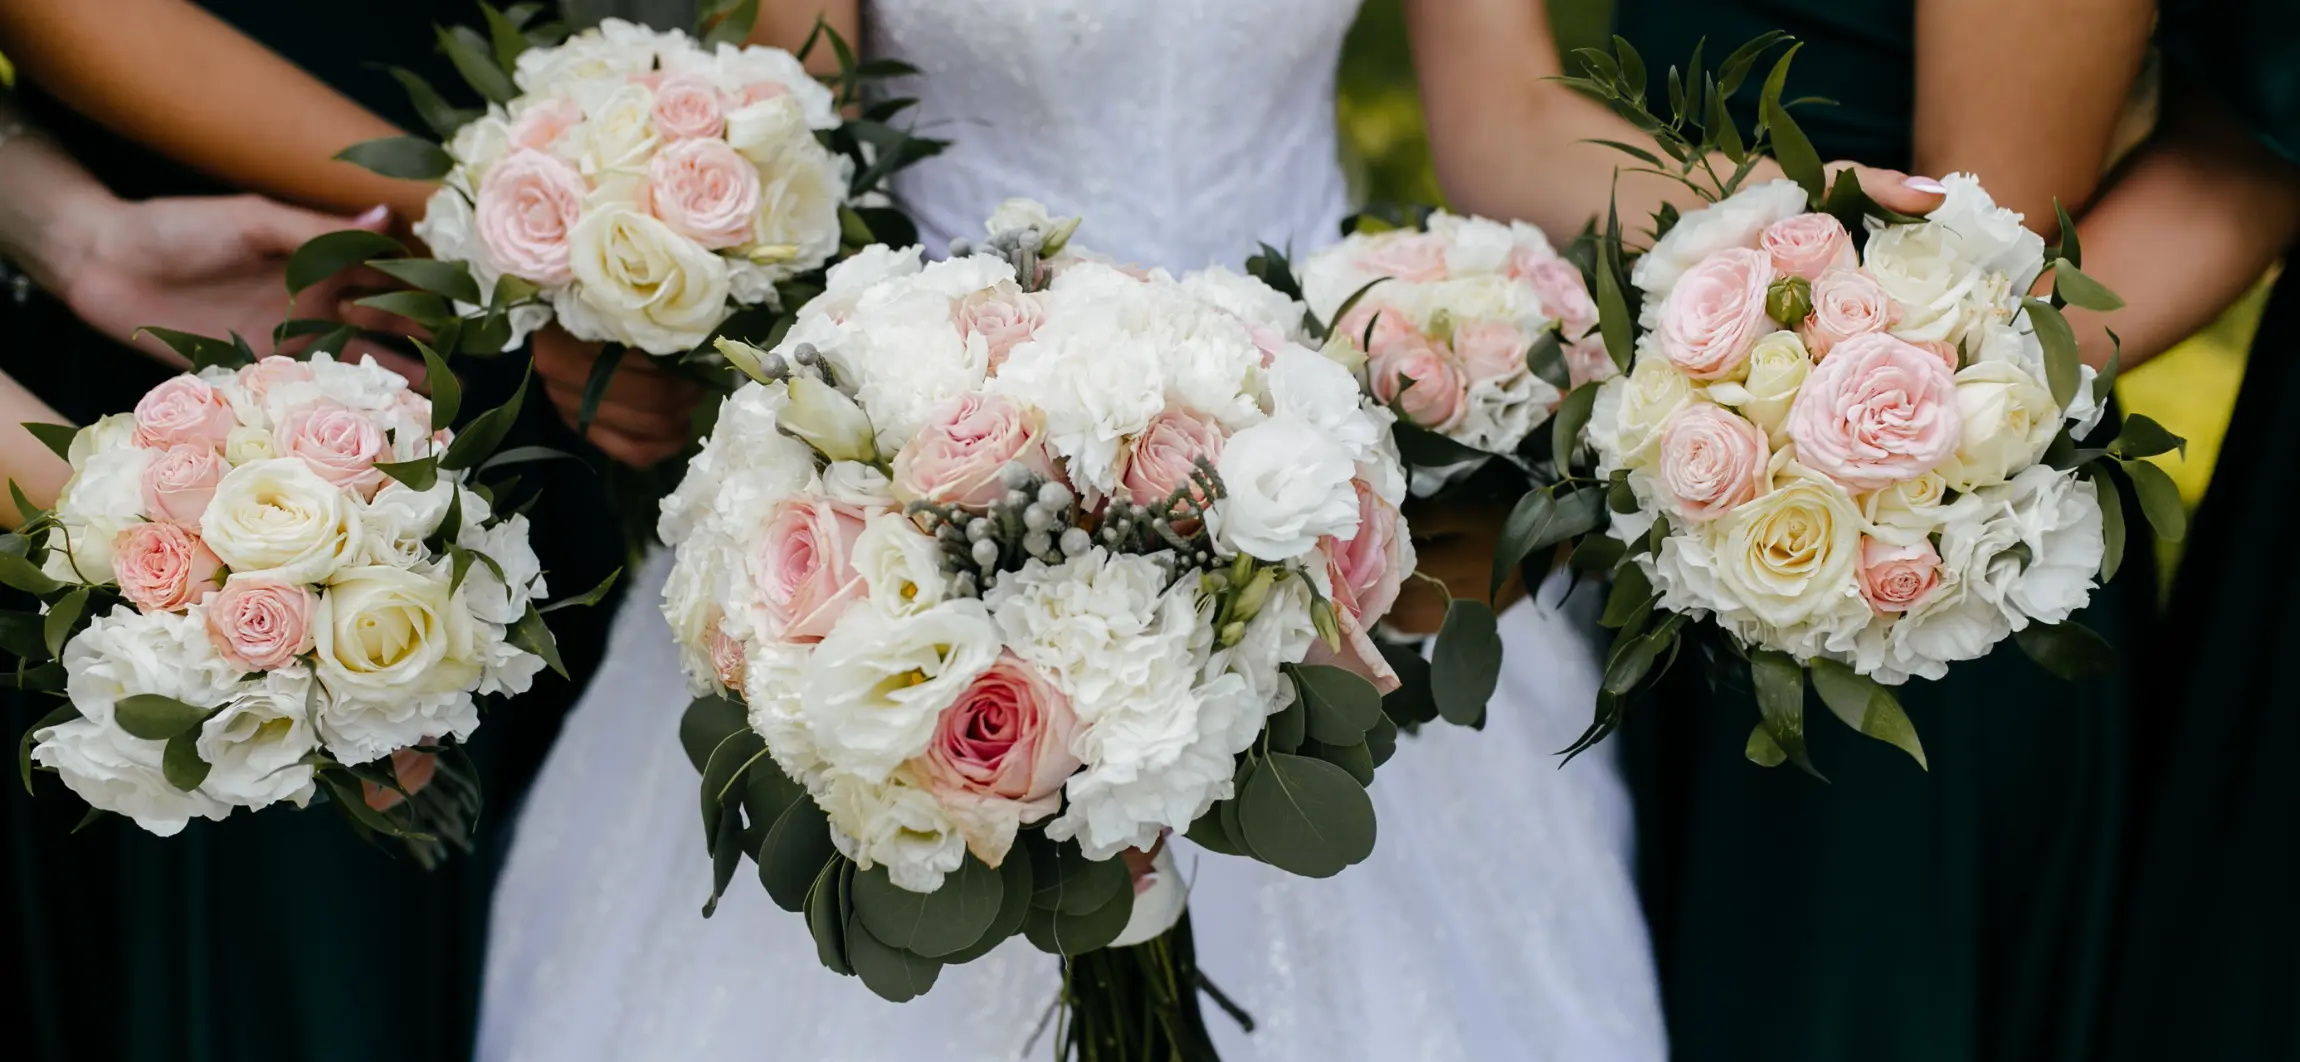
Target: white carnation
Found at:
121, 774
126, 652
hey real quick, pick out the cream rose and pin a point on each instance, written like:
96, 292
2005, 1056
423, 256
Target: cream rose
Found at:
2009, 421
639, 282
1626, 422
1778, 365
279, 518
385, 632
244, 445
1789, 552
1917, 506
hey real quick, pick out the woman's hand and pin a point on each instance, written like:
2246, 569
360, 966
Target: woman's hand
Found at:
644, 416
1454, 543
1894, 190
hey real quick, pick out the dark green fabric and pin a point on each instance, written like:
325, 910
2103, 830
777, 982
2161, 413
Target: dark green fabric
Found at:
278, 935
1893, 915
2210, 960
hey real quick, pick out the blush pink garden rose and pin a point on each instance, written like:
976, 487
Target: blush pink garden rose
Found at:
1000, 754
804, 566
687, 107
543, 124
178, 484
1716, 313
1564, 294
259, 624
1490, 350
184, 411
1365, 572
1898, 578
1711, 461
1807, 245
956, 458
1875, 412
1164, 455
339, 443
1416, 258
1846, 303
1389, 327
1005, 316
727, 662
162, 567
270, 372
705, 191
1422, 381
528, 203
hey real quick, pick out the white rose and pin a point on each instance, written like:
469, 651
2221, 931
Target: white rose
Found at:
1285, 484
895, 823
639, 282
877, 683
761, 130
248, 445
1736, 221
1626, 421
1913, 507
902, 566
800, 190
1790, 553
614, 51
253, 746
477, 146
101, 500
1777, 367
1473, 245
279, 518
2009, 421
121, 774
126, 652
1941, 296
383, 632
735, 68
618, 133
116, 431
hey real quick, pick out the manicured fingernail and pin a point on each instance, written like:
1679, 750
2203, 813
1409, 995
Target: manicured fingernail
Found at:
1926, 185
375, 214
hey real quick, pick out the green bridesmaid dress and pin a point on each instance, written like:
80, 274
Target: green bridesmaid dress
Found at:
2208, 965
275, 935
1893, 914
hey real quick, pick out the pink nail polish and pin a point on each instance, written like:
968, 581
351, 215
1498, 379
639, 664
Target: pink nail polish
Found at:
1926, 185
375, 214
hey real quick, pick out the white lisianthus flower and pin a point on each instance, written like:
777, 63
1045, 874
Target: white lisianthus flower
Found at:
2009, 421
639, 282
1913, 508
875, 685
502, 599
829, 421
1736, 221
280, 519
1313, 389
1987, 235
901, 565
127, 652
1285, 484
115, 431
121, 774
895, 823
1625, 422
254, 744
383, 633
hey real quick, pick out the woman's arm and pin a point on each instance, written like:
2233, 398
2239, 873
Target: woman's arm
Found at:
24, 460
785, 24
2188, 225
173, 77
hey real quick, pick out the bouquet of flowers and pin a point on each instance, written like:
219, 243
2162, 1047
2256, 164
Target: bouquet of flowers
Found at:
273, 579
640, 187
1010, 564
1849, 438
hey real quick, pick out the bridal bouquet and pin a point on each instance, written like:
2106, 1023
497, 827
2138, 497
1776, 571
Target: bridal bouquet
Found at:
1008, 565
640, 187
271, 580
1850, 438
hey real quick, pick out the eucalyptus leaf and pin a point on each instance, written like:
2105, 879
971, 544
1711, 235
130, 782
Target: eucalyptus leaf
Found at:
1411, 704
450, 279
2069, 650
2069, 248
2061, 363
420, 474
1465, 664
1306, 816
443, 117
824, 919
588, 597
325, 255
1613, 320
202, 351
797, 849
1545, 358
1635, 660
180, 762
1792, 150
722, 772
1420, 447
1289, 726
1209, 833
503, 34
2104, 382
530, 633
1632, 65
422, 307
1058, 932
1632, 593
707, 722
154, 717
1065, 880
1013, 909
446, 391
1867, 706
409, 158
474, 58
23, 575
1355, 758
1341, 706
1761, 750
929, 923
1780, 686
735, 27
595, 385
1382, 741
479, 438
726, 854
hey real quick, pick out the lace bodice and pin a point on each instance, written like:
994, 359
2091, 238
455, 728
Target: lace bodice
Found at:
1184, 130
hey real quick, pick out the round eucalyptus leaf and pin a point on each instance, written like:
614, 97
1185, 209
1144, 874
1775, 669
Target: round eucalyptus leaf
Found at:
1013, 907
706, 723
934, 923
722, 773
1057, 933
1065, 880
896, 975
1306, 816
767, 792
1207, 833
1466, 663
1289, 725
1340, 705
823, 921
1228, 810
797, 848
1382, 741
1356, 759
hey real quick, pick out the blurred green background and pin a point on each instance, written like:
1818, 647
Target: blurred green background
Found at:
2189, 389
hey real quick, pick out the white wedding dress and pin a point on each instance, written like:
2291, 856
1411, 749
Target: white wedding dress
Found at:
1497, 918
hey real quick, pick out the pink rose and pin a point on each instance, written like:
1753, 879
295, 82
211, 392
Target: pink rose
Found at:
260, 624
1564, 294
178, 484
544, 123
687, 108
726, 655
759, 91
1875, 412
705, 191
1711, 461
1002, 746
1898, 578
1414, 257
1942, 349
1807, 245
183, 411
1490, 350
340, 444
1422, 381
955, 459
1846, 303
1716, 312
1164, 455
162, 567
527, 205
1390, 327
804, 566
1369, 567
270, 372
1004, 316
